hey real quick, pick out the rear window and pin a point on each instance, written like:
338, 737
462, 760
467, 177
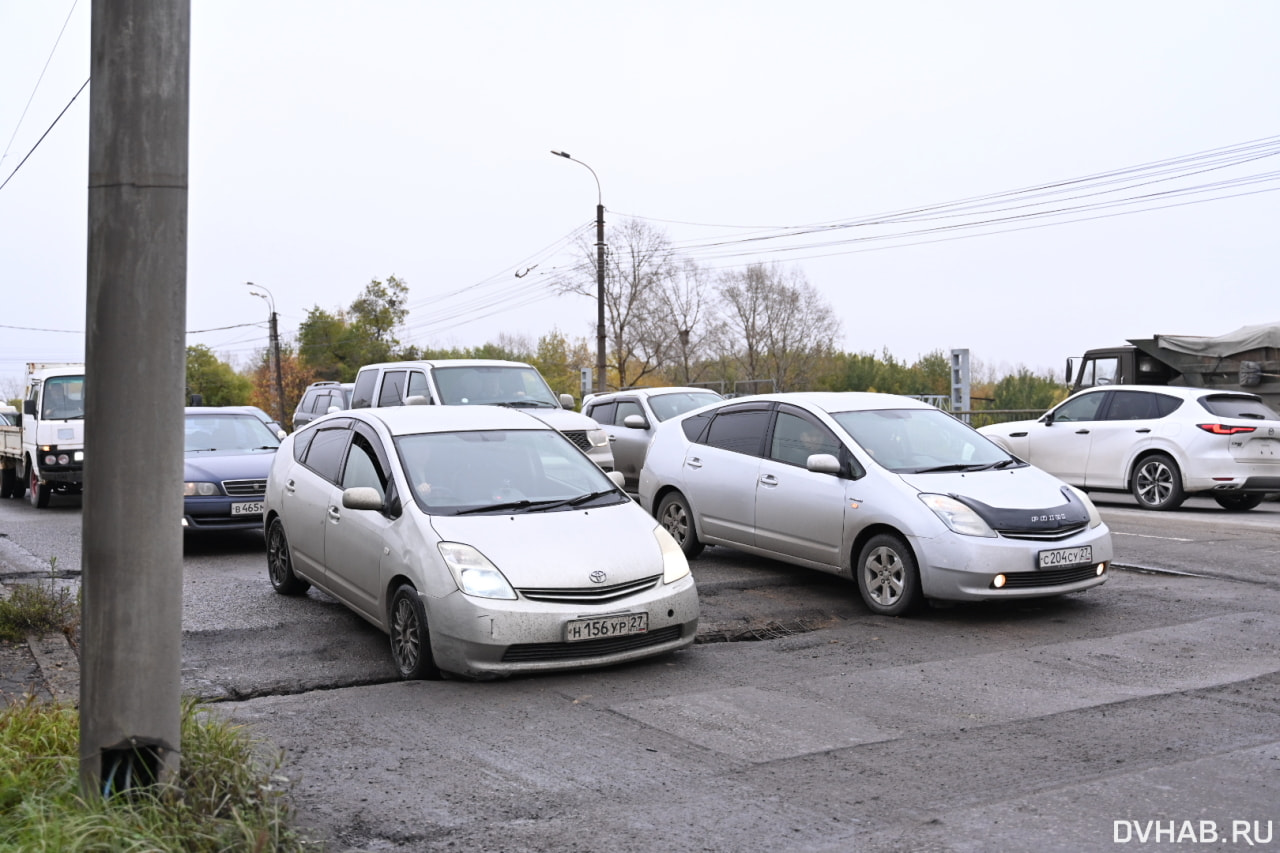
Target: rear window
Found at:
1238, 406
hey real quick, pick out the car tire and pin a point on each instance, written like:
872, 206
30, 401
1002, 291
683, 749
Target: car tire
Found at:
888, 576
675, 515
8, 477
1238, 503
1157, 483
410, 636
280, 562
39, 492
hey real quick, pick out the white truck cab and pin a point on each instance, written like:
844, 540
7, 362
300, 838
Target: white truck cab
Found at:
48, 456
474, 381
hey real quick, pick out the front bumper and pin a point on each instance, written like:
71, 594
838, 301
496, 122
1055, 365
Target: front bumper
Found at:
482, 638
964, 568
214, 513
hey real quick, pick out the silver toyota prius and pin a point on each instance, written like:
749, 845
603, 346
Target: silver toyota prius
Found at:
479, 538
889, 491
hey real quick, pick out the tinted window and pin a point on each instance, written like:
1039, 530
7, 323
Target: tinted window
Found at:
669, 405
301, 441
741, 432
1082, 408
392, 393
795, 439
1134, 406
363, 467
324, 456
362, 395
1230, 406
627, 407
695, 427
603, 413
418, 385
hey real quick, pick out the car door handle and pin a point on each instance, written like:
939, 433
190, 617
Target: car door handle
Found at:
1143, 430
1017, 435
695, 462
334, 513
290, 487
1082, 432
768, 480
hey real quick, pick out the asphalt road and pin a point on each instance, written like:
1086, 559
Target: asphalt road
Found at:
1141, 715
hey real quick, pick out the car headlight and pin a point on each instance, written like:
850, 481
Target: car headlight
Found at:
205, 489
597, 437
473, 572
674, 564
957, 516
1094, 518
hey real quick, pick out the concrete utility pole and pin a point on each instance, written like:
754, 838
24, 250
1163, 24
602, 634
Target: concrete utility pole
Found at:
275, 349
131, 664
601, 385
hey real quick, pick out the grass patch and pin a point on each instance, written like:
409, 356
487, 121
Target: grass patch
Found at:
39, 609
228, 797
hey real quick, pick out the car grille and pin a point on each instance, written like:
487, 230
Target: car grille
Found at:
244, 488
590, 595
540, 652
1044, 535
1052, 577
578, 437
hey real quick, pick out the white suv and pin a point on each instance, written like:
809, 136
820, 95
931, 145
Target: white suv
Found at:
467, 381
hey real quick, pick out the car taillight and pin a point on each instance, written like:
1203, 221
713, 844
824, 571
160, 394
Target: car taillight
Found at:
1223, 429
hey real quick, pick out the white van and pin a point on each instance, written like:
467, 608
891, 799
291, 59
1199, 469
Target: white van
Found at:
485, 382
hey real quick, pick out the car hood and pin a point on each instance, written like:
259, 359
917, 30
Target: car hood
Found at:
1008, 427
218, 465
563, 548
1025, 500
562, 419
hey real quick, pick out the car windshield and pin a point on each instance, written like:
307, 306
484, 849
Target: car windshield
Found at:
227, 431
669, 405
915, 441
63, 398
490, 385
453, 473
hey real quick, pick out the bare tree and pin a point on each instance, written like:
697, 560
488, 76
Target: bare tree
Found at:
783, 326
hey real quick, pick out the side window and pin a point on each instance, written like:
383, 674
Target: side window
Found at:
392, 393
301, 442
795, 439
324, 455
362, 395
603, 413
1132, 406
627, 407
418, 386
741, 431
1101, 371
1083, 408
363, 468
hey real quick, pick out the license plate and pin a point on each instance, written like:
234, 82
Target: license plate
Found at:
1066, 557
606, 626
247, 508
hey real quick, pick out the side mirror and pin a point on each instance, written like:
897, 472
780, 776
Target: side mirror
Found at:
823, 463
566, 402
635, 422
619, 479
1047, 419
362, 497
29, 407
281, 434
415, 400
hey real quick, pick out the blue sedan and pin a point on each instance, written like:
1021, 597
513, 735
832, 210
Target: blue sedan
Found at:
228, 456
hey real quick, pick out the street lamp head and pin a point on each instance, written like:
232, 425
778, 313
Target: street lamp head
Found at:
563, 154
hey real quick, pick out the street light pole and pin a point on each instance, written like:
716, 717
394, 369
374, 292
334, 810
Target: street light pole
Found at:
600, 335
275, 348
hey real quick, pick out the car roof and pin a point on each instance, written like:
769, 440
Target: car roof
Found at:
1186, 392
838, 401
449, 362
243, 411
650, 392
414, 419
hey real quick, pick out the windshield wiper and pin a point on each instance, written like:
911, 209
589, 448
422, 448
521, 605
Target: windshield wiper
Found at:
526, 404
578, 501
957, 466
523, 503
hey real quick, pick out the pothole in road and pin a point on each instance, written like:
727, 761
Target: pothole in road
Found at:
747, 632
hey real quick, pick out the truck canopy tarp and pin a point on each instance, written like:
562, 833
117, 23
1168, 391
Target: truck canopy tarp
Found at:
1241, 340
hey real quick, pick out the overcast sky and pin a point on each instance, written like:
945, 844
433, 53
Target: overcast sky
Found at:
336, 143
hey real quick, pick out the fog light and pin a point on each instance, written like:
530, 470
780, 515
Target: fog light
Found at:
998, 581
1102, 569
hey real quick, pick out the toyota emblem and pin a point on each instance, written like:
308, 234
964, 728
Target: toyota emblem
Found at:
597, 576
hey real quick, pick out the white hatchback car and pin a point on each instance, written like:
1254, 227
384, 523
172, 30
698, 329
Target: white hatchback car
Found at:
1161, 443
630, 417
480, 538
890, 491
